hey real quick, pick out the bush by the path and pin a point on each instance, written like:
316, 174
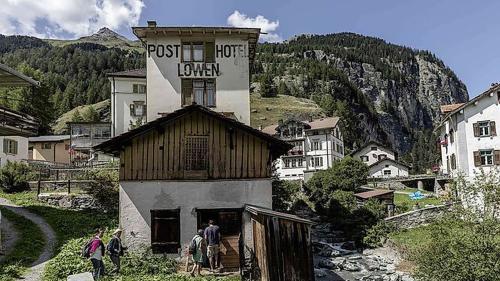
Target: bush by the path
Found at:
14, 177
27, 249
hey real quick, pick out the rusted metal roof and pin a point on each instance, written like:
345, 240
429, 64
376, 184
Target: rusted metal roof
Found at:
256, 210
373, 193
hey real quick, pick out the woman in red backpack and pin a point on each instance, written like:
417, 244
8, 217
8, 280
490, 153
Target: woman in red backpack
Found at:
97, 251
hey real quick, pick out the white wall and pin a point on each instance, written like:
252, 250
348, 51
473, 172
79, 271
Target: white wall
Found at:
122, 89
22, 150
397, 170
486, 108
232, 86
373, 154
138, 198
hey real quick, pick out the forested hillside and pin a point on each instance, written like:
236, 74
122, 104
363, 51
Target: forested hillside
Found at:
382, 91
71, 75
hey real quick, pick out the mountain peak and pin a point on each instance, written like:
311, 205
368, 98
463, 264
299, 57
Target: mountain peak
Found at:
105, 34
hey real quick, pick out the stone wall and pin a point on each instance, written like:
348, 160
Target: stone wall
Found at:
70, 201
418, 217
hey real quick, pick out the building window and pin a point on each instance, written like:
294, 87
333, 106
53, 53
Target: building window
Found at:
387, 172
453, 161
287, 163
294, 163
196, 153
137, 109
373, 148
300, 162
485, 129
486, 157
102, 132
10, 146
364, 158
200, 91
318, 161
165, 231
46, 145
299, 132
316, 145
382, 156
139, 88
198, 52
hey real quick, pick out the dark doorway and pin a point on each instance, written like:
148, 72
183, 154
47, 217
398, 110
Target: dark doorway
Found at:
230, 224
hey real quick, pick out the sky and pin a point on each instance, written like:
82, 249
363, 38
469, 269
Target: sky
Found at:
464, 34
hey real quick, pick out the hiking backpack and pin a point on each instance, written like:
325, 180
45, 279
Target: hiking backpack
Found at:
192, 247
86, 249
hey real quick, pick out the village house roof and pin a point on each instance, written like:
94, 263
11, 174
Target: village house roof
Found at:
114, 145
495, 88
317, 124
11, 78
369, 143
252, 34
447, 108
373, 193
256, 210
51, 138
132, 73
389, 160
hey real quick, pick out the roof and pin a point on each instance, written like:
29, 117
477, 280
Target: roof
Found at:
132, 73
373, 193
51, 138
495, 87
252, 34
450, 107
256, 210
317, 124
369, 143
15, 123
114, 145
11, 78
390, 160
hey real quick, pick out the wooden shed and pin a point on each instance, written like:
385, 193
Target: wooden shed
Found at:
282, 246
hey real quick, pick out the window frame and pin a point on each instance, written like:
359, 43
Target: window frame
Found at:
168, 247
46, 145
206, 83
206, 58
484, 125
490, 155
7, 146
195, 164
387, 172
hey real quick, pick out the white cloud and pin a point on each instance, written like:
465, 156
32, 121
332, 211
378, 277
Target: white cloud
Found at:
66, 18
238, 19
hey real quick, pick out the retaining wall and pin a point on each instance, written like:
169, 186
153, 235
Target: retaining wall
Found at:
419, 217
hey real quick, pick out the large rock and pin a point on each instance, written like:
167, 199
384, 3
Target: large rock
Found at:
86, 276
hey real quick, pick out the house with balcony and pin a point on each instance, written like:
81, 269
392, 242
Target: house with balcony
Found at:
316, 145
468, 139
381, 160
83, 137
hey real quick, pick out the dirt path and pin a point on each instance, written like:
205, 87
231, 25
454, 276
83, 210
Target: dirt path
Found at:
36, 271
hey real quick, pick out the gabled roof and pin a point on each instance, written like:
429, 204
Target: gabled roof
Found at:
373, 193
51, 138
447, 108
132, 73
495, 87
256, 210
114, 145
11, 78
317, 124
369, 143
389, 160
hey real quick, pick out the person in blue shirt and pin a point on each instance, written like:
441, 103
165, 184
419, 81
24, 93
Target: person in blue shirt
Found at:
213, 237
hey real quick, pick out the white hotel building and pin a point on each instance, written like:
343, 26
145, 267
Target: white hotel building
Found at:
468, 135
317, 144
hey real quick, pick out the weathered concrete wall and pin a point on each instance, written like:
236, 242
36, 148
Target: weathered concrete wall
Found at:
419, 217
137, 199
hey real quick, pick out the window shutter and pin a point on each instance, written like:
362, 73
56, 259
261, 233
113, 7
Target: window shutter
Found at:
5, 146
209, 52
493, 128
132, 109
14, 147
165, 231
187, 91
497, 157
477, 159
476, 129
144, 110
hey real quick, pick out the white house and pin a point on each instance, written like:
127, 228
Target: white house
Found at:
381, 160
209, 66
468, 136
14, 148
316, 145
128, 100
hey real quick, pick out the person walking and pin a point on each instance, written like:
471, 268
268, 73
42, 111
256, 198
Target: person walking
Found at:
213, 237
115, 250
197, 249
97, 254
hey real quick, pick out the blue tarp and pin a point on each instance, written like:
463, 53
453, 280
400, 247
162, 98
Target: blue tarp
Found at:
417, 195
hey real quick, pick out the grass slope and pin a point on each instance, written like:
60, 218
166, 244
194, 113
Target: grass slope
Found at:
267, 111
60, 126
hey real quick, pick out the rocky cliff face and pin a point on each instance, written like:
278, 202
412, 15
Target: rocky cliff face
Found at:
402, 88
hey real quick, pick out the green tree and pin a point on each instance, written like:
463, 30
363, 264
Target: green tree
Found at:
283, 89
77, 117
284, 194
90, 115
267, 88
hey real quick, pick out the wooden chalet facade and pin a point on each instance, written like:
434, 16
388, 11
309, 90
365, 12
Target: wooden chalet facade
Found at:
190, 166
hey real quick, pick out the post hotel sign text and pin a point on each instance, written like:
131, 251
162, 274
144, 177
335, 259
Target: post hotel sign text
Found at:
197, 69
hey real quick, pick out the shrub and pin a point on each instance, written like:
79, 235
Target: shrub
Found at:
340, 205
377, 234
104, 187
14, 177
284, 194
